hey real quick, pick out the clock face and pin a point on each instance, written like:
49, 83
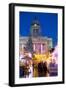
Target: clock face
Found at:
35, 24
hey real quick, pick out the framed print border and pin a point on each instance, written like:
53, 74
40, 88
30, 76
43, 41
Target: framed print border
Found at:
12, 43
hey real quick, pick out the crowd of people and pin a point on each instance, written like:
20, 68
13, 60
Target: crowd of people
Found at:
30, 66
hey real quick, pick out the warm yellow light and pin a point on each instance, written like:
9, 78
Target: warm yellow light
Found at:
42, 57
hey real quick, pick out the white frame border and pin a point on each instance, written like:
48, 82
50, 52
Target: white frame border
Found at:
44, 79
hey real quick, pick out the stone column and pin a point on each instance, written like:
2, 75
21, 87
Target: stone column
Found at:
41, 48
34, 47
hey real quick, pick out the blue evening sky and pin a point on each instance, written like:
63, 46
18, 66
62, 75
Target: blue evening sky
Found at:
48, 23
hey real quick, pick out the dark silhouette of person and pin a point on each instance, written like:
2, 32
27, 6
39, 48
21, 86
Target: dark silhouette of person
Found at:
40, 69
21, 71
45, 69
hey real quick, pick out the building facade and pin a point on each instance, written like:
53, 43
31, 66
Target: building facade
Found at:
40, 43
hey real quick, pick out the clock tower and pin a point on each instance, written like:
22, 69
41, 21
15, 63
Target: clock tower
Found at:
35, 28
